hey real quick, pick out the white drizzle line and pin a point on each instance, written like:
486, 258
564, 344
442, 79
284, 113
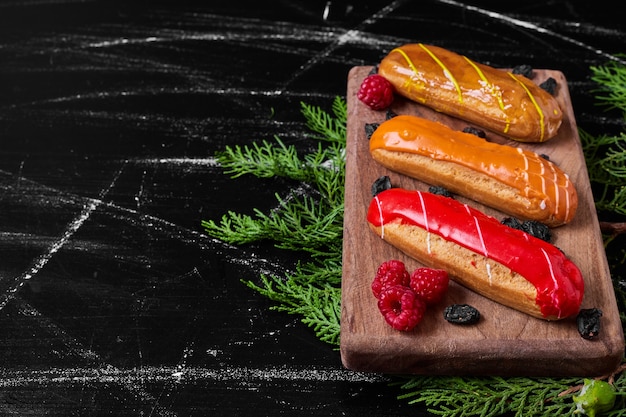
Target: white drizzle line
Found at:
524, 157
380, 215
425, 222
544, 188
544, 185
557, 191
482, 242
526, 164
551, 269
567, 200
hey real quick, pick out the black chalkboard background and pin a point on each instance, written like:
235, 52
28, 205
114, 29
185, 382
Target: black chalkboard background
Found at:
112, 299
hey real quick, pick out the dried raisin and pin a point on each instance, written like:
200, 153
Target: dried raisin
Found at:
537, 229
370, 128
532, 227
549, 85
588, 321
461, 314
381, 184
524, 69
440, 191
475, 131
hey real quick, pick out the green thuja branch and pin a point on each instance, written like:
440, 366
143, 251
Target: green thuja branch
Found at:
605, 154
611, 81
309, 221
329, 127
606, 161
491, 396
316, 303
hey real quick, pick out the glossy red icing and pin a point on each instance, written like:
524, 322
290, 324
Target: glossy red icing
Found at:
558, 280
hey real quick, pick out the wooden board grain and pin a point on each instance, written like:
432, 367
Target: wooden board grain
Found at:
505, 342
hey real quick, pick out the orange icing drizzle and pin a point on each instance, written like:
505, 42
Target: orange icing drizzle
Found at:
533, 176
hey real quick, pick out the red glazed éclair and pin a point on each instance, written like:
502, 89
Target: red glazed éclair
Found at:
506, 103
504, 264
513, 180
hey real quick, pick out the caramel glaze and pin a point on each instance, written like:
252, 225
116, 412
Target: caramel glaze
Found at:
506, 103
546, 187
558, 281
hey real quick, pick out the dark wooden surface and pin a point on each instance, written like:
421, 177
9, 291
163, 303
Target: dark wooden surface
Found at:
112, 300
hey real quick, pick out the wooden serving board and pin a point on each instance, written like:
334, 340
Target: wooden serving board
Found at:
505, 342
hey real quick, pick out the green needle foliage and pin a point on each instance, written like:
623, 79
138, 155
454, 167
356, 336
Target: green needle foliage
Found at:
606, 154
492, 396
313, 224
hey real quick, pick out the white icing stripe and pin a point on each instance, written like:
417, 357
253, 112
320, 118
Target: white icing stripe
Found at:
557, 191
479, 232
521, 152
526, 169
567, 200
380, 214
551, 269
542, 171
425, 221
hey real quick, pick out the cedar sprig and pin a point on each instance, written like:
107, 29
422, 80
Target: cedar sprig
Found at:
610, 79
297, 224
329, 127
605, 157
269, 159
605, 154
453, 396
309, 221
315, 303
312, 223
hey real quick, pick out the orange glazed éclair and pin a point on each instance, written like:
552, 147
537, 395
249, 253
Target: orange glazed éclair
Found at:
501, 101
513, 180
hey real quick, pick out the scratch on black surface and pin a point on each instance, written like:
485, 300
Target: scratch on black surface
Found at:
352, 36
178, 375
131, 380
90, 205
532, 27
175, 231
74, 347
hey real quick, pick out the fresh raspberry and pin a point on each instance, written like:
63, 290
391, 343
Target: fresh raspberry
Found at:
376, 92
389, 273
401, 307
429, 284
